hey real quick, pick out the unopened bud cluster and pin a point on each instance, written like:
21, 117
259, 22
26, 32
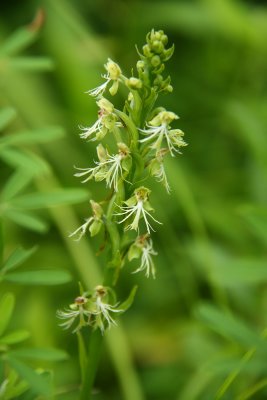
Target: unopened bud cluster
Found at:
142, 139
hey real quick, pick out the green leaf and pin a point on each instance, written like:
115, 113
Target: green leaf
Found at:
58, 197
229, 326
7, 304
43, 354
41, 135
15, 337
129, 301
26, 220
31, 63
43, 277
36, 381
17, 182
14, 387
26, 160
18, 41
18, 257
241, 271
6, 116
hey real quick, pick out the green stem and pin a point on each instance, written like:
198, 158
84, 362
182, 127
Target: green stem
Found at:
94, 353
130, 126
1, 241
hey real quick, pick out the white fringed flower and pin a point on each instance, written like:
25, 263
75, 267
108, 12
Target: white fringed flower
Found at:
92, 224
74, 312
146, 259
80, 232
138, 207
156, 168
102, 310
143, 248
158, 129
110, 169
113, 74
106, 122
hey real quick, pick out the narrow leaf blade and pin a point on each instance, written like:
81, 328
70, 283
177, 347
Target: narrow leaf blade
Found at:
50, 199
18, 257
7, 304
43, 277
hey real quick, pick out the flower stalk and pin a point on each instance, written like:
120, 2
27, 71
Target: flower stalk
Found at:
143, 137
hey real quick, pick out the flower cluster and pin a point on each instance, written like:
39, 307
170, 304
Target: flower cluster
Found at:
142, 139
90, 309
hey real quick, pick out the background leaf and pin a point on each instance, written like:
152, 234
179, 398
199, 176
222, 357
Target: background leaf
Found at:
42, 277
7, 303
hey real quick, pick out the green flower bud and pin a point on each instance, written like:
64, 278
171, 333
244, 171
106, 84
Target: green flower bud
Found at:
169, 88
134, 83
147, 51
157, 46
140, 65
164, 39
155, 61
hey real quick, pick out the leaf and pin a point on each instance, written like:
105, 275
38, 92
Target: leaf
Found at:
43, 354
240, 271
50, 199
17, 182
15, 337
36, 381
42, 277
31, 63
26, 220
129, 301
41, 135
26, 160
229, 326
6, 116
18, 257
7, 304
18, 41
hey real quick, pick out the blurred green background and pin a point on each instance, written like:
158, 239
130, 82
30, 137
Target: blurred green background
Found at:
193, 326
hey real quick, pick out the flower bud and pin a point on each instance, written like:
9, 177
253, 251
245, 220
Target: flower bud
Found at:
140, 65
134, 83
155, 61
157, 46
147, 51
